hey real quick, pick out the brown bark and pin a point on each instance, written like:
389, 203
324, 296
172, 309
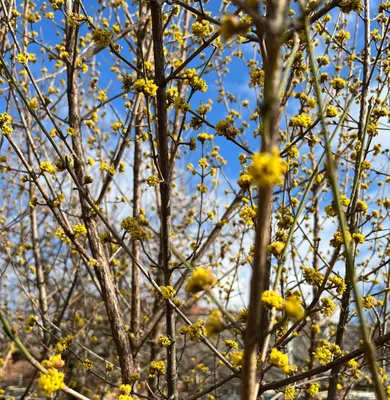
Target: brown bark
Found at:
165, 188
114, 313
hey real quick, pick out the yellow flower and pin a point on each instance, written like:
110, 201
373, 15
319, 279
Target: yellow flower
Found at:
202, 28
267, 169
22, 58
313, 389
338, 239
32, 320
215, 324
331, 111
276, 248
194, 331
358, 238
168, 292
244, 181
293, 306
237, 358
191, 78
146, 86
201, 279
328, 306
47, 167
156, 368
369, 302
231, 344
338, 83
164, 341
278, 359
52, 381
248, 214
232, 25
79, 229
323, 355
339, 282
5, 121
87, 364
271, 299
131, 225
289, 393
257, 77
125, 389
301, 120
102, 37
152, 180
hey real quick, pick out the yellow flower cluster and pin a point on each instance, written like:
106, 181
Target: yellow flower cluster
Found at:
88, 364
50, 382
168, 292
202, 28
338, 239
156, 368
276, 248
339, 283
369, 302
164, 341
301, 120
327, 306
5, 121
267, 169
60, 234
125, 389
202, 137
47, 167
257, 77
109, 168
191, 78
102, 37
312, 275
152, 180
289, 393
79, 229
146, 86
313, 389
325, 353
201, 279
131, 225
271, 299
231, 344
32, 320
226, 127
194, 331
292, 306
63, 344
244, 181
331, 111
279, 360
248, 214
346, 6
338, 83
215, 324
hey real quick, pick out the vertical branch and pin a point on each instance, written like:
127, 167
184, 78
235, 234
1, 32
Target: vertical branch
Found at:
346, 298
102, 269
40, 273
135, 246
273, 29
165, 186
